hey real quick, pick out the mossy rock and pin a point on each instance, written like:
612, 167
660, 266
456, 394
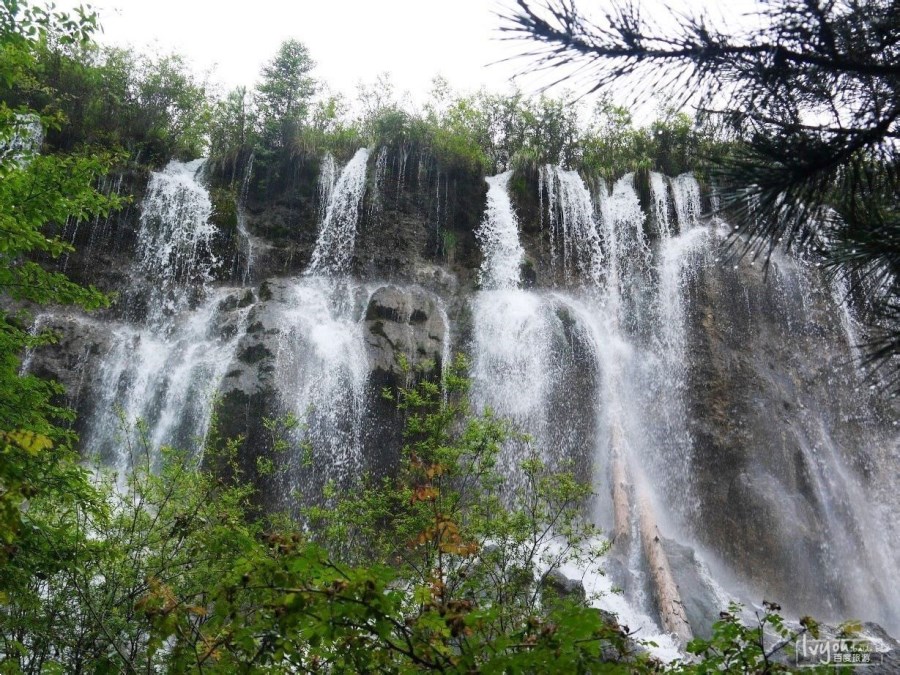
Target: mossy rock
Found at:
224, 213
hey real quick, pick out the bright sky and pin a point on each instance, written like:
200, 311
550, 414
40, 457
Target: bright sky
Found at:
351, 40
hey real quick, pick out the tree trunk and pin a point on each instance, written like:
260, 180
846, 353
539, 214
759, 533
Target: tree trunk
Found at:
668, 599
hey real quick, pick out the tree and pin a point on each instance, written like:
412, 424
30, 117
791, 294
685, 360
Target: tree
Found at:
231, 130
285, 92
429, 571
812, 97
37, 192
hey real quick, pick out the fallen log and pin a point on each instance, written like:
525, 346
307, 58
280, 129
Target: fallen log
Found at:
621, 507
668, 599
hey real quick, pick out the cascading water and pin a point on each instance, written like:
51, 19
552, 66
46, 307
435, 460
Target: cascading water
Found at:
337, 233
574, 239
532, 350
174, 247
627, 369
848, 566
523, 348
321, 361
249, 241
660, 195
623, 229
625, 249
327, 178
665, 370
164, 370
377, 201
25, 138
686, 195
322, 371
499, 238
167, 381
639, 348
510, 352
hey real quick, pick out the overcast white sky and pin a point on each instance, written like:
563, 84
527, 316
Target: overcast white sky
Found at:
351, 40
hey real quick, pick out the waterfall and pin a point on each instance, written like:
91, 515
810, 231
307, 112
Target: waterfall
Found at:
164, 371
174, 243
249, 247
166, 380
841, 294
36, 328
499, 237
686, 195
243, 232
848, 467
526, 352
622, 239
632, 319
575, 241
100, 228
321, 373
327, 178
446, 354
512, 367
25, 139
660, 195
376, 202
321, 363
337, 233
678, 260
644, 362
175, 232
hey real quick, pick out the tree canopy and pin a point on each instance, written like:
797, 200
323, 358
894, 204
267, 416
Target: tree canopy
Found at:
37, 192
286, 89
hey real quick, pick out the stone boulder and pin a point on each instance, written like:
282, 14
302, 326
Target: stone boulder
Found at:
405, 333
404, 326
72, 358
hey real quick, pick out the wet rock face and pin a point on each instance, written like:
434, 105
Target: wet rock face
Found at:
72, 359
701, 606
104, 247
248, 393
397, 324
403, 324
404, 332
774, 409
418, 212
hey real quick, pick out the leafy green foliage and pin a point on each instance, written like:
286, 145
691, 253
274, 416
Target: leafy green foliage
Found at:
37, 193
169, 570
284, 94
152, 106
458, 134
107, 584
736, 647
472, 553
